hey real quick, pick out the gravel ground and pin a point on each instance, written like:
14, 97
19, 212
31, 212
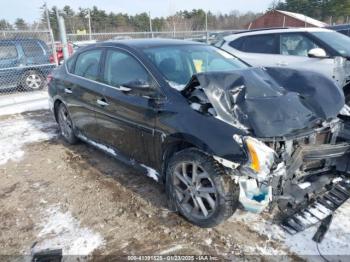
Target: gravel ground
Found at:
53, 195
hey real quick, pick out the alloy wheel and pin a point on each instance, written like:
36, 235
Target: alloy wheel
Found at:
194, 190
33, 81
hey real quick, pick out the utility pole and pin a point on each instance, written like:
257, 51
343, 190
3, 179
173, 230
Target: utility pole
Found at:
150, 24
53, 46
89, 17
63, 34
206, 27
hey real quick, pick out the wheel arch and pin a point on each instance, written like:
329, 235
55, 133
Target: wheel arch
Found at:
177, 143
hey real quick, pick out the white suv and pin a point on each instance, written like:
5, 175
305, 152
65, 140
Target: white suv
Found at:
315, 49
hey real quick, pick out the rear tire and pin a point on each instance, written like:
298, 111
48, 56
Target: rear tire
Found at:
199, 188
66, 125
32, 80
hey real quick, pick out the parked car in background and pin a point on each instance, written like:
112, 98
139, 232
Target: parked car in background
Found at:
24, 63
215, 131
59, 52
343, 29
315, 49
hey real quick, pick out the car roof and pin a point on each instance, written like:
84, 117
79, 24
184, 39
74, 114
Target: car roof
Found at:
274, 31
339, 27
147, 43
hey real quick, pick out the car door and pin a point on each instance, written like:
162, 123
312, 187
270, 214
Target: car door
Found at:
126, 116
293, 53
256, 50
81, 90
9, 64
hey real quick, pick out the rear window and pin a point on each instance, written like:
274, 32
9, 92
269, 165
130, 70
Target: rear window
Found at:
32, 49
8, 51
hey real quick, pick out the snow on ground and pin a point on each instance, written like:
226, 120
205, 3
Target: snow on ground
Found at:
62, 231
18, 131
335, 243
19, 103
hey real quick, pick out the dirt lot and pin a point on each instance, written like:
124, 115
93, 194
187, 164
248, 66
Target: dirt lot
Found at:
87, 203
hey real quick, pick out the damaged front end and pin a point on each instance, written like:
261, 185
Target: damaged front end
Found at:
298, 143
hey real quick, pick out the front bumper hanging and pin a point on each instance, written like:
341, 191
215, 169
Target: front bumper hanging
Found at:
317, 211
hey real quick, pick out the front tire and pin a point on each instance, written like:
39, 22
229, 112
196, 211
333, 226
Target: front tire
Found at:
32, 80
199, 188
66, 125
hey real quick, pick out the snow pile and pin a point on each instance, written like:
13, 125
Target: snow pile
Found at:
17, 132
62, 231
151, 172
15, 104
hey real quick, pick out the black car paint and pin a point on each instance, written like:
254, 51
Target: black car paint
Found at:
258, 92
142, 129
343, 29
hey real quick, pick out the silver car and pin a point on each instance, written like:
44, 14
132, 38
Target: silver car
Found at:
316, 49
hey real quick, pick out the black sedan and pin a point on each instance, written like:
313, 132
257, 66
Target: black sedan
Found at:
216, 132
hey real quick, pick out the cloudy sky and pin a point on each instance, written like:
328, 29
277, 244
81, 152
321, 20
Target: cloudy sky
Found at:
29, 9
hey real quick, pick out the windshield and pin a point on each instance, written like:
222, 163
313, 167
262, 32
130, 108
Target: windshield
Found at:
179, 63
339, 42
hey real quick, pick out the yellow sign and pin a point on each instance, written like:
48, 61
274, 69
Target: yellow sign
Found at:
81, 32
198, 64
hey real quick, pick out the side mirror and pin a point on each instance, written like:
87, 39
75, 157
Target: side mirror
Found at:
137, 85
141, 88
317, 53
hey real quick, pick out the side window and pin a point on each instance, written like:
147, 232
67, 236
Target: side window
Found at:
122, 69
8, 52
296, 44
263, 44
32, 49
70, 63
345, 32
87, 64
237, 44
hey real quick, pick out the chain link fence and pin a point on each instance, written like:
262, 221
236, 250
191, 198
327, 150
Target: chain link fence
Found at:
26, 58
200, 36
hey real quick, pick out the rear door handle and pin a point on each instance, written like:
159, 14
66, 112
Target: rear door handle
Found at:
102, 102
68, 91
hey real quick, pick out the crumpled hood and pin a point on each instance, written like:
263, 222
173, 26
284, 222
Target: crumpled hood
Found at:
272, 102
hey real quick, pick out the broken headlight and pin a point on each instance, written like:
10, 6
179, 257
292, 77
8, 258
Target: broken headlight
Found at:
261, 157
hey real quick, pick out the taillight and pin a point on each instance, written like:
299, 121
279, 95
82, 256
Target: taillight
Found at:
52, 59
48, 79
